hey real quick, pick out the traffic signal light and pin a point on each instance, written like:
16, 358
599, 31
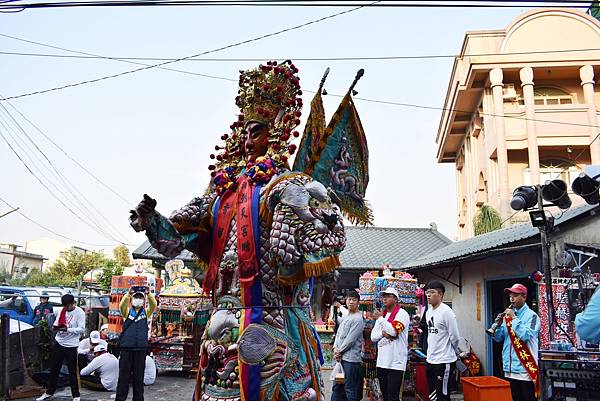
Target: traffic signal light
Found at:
524, 198
555, 192
586, 187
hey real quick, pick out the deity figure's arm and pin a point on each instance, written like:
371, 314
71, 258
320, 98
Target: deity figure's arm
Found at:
307, 233
187, 228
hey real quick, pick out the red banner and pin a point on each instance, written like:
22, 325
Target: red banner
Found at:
561, 307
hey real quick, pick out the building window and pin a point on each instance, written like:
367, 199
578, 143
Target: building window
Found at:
554, 169
548, 96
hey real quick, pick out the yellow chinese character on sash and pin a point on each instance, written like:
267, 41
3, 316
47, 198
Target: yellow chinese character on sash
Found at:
512, 332
524, 355
530, 367
518, 344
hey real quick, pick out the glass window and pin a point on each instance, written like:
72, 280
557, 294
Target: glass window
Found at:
554, 170
551, 96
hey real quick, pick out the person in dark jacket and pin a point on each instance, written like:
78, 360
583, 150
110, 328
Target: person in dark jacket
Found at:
44, 309
134, 342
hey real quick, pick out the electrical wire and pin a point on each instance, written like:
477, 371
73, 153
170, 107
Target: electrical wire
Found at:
48, 189
304, 3
80, 198
50, 230
237, 44
85, 56
80, 165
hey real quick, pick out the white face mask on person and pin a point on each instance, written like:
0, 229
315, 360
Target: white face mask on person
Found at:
137, 302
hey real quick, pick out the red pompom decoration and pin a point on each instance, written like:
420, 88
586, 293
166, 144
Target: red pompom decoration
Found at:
212, 156
298, 113
296, 134
211, 167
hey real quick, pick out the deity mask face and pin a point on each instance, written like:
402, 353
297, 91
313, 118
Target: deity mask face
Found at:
257, 141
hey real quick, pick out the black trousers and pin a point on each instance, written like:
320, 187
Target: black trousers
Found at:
522, 390
68, 355
131, 365
440, 380
390, 382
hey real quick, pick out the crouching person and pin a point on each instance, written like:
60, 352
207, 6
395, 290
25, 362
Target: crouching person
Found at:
106, 369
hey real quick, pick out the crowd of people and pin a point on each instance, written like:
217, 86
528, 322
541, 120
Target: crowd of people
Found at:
518, 333
89, 362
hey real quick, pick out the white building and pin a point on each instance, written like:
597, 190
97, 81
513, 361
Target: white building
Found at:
16, 263
52, 250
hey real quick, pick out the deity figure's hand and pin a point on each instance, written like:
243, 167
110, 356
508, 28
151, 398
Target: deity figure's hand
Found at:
139, 217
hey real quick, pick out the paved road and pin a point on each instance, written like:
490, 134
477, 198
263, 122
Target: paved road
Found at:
166, 388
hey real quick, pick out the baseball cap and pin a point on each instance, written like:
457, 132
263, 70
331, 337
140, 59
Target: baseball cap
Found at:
517, 289
95, 337
44, 294
390, 290
104, 327
100, 347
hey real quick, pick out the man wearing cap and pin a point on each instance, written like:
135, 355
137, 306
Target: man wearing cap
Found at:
133, 342
442, 343
390, 332
43, 310
69, 327
106, 369
85, 351
104, 331
520, 331
347, 349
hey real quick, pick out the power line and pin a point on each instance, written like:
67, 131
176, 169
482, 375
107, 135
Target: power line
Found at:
303, 3
97, 229
50, 230
67, 184
128, 203
305, 59
192, 56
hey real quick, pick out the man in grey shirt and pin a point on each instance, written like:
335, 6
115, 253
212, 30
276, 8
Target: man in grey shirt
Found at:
347, 349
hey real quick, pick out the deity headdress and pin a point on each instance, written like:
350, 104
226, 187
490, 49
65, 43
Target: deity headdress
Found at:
269, 95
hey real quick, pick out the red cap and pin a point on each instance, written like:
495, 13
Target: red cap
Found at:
517, 289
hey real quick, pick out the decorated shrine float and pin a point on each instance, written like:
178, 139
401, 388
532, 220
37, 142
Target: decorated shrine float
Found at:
370, 286
183, 311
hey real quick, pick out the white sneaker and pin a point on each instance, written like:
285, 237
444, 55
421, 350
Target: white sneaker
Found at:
76, 398
44, 396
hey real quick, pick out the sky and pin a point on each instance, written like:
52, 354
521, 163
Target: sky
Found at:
153, 131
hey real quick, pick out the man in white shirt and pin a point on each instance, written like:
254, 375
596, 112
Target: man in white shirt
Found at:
442, 343
149, 371
391, 334
85, 350
106, 367
69, 327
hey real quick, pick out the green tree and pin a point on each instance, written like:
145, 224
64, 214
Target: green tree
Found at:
121, 254
111, 268
486, 220
75, 265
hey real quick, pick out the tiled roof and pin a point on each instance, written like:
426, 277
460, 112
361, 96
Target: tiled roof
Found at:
366, 247
489, 241
146, 251
371, 247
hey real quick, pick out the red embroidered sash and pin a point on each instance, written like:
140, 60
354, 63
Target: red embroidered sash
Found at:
246, 246
398, 326
240, 203
524, 355
225, 214
393, 314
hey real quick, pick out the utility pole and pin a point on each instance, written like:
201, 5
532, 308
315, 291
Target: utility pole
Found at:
9, 212
546, 265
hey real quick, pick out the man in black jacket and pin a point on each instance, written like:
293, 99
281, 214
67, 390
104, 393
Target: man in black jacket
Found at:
133, 342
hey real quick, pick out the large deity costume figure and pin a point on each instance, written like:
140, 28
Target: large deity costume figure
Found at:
265, 233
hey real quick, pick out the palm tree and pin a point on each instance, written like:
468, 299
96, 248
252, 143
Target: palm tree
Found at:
486, 220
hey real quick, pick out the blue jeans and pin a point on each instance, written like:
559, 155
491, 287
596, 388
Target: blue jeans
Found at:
351, 390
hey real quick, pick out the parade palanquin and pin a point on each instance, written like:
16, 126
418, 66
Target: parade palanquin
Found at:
265, 233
